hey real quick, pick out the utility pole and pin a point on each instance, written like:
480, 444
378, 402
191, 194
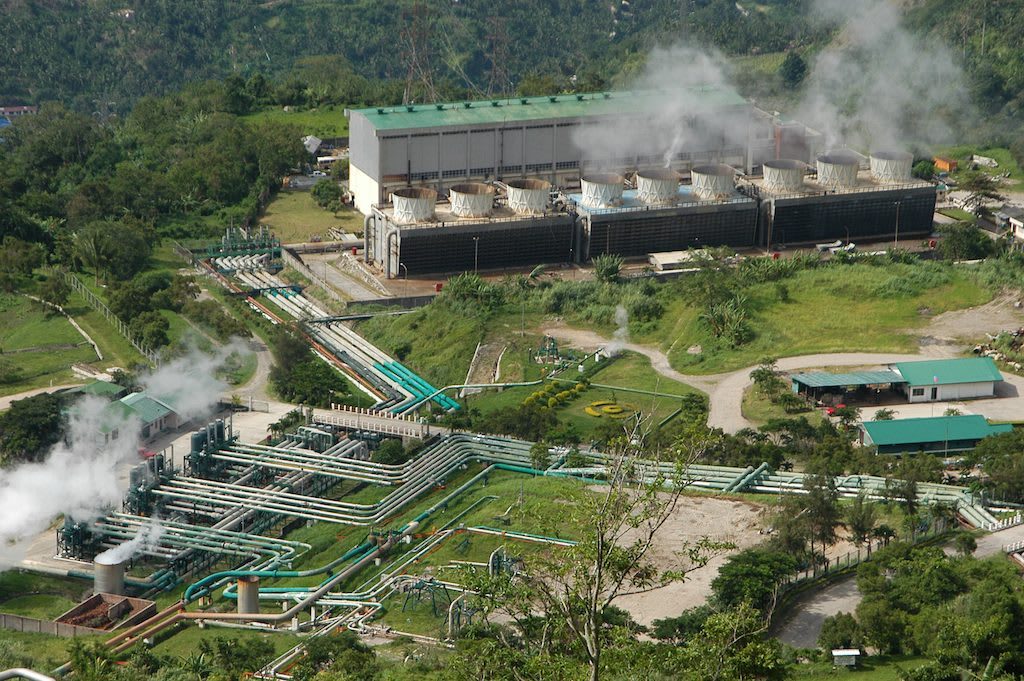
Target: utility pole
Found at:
476, 253
896, 239
405, 289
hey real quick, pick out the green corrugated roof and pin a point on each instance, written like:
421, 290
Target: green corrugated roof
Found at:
99, 388
147, 408
935, 429
947, 371
490, 111
819, 379
115, 415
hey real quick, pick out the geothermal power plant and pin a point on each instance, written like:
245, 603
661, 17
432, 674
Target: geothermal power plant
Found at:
520, 182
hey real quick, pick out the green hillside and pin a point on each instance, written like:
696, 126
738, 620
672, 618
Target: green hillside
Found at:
105, 54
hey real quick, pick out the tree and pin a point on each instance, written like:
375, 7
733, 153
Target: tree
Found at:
17, 260
861, 520
325, 192
767, 380
390, 452
55, 290
30, 427
924, 169
840, 631
848, 416
965, 543
573, 588
963, 241
793, 69
540, 455
732, 645
980, 185
92, 248
1001, 457
822, 504
607, 267
752, 576
885, 415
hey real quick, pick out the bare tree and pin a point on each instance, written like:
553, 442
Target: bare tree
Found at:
571, 589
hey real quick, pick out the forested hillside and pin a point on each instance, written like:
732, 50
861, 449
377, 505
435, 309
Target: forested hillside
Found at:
104, 54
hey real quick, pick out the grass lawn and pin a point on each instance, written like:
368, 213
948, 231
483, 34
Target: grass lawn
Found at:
1002, 156
835, 309
39, 606
25, 326
758, 409
883, 668
46, 652
325, 122
185, 641
294, 217
614, 382
115, 348
959, 214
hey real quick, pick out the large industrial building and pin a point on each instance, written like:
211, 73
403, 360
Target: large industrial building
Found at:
517, 182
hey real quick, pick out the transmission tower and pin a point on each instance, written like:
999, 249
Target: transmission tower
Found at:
416, 53
497, 54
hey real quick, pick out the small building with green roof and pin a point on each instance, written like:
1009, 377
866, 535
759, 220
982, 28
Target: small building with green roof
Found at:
154, 416
943, 380
934, 435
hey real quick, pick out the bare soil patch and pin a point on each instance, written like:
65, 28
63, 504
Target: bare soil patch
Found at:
721, 520
974, 322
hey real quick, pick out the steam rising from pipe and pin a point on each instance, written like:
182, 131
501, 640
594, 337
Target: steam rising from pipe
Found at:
147, 538
79, 477
621, 335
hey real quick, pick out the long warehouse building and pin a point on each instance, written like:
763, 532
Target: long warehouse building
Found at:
552, 138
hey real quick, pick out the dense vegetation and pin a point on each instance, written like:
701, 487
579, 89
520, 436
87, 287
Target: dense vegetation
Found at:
104, 55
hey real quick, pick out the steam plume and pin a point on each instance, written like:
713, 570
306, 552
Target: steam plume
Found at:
79, 477
621, 335
878, 85
148, 537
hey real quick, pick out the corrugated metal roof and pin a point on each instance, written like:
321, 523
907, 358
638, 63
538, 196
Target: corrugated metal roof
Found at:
522, 109
949, 371
934, 429
99, 388
147, 408
818, 379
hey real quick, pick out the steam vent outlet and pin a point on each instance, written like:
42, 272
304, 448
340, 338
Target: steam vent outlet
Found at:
109, 576
413, 204
249, 595
602, 190
471, 199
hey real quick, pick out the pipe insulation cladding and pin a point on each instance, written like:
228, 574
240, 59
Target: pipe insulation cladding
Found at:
471, 199
249, 595
413, 204
657, 186
602, 190
891, 167
713, 181
784, 175
528, 196
838, 169
109, 576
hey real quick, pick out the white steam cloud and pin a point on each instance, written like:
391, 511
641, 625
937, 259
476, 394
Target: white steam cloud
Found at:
621, 335
79, 478
688, 112
147, 538
878, 85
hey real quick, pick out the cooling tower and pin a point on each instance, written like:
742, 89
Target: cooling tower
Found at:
713, 181
528, 197
838, 169
891, 167
602, 190
413, 204
659, 185
471, 200
784, 176
109, 576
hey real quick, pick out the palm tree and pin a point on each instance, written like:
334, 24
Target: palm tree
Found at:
861, 520
92, 247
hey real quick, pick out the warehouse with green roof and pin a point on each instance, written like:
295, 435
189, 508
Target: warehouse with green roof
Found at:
936, 435
440, 144
939, 380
